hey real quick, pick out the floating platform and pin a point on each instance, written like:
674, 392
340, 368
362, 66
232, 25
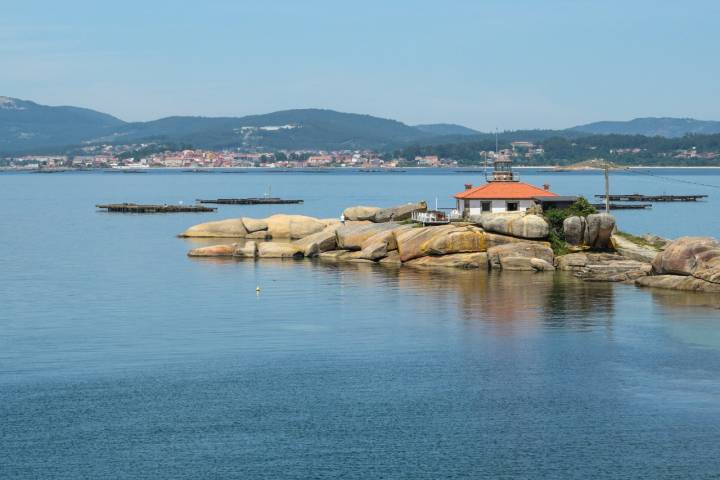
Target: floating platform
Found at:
250, 201
138, 208
620, 206
636, 197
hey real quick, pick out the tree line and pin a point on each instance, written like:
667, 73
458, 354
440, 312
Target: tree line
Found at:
565, 150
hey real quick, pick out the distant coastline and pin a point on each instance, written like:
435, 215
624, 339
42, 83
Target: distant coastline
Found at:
459, 169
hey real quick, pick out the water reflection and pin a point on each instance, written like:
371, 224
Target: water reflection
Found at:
672, 299
505, 300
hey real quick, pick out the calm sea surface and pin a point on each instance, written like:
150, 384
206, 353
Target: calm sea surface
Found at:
122, 358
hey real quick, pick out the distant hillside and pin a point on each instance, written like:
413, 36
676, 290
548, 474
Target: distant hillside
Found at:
26, 125
651, 126
446, 129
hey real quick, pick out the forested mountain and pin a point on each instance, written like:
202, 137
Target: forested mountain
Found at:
446, 129
651, 126
28, 125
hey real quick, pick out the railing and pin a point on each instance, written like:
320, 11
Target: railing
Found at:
435, 217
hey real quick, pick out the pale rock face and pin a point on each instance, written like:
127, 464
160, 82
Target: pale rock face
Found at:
213, 251
279, 250
574, 230
352, 236
230, 228
633, 251
319, 242
254, 224
540, 265
572, 261
598, 230
698, 257
391, 260
259, 235
454, 260
293, 226
360, 212
247, 249
334, 255
439, 240
379, 245
678, 282
602, 267
497, 255
531, 227
399, 213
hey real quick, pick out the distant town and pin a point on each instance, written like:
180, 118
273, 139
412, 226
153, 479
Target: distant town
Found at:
146, 155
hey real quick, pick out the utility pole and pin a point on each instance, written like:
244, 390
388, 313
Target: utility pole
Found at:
606, 167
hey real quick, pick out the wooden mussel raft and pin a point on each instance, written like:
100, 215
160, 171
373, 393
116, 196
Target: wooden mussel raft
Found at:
250, 201
623, 206
139, 208
637, 197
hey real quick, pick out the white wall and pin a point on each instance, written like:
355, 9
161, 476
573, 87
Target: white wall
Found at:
497, 206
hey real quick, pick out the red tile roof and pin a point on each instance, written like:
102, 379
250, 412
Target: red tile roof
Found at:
504, 190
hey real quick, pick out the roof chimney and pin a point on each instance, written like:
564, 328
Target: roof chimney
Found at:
468, 186
546, 187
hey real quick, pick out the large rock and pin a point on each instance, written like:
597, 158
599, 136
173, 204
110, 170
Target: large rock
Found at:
686, 255
454, 260
279, 250
254, 224
334, 255
678, 282
532, 227
379, 245
598, 229
602, 267
246, 249
213, 251
230, 228
360, 212
259, 235
399, 213
293, 226
440, 240
352, 236
319, 242
392, 259
574, 230
507, 256
644, 252
526, 264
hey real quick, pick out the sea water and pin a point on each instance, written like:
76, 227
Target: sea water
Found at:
120, 357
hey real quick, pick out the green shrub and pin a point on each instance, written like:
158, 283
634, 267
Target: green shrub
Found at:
555, 218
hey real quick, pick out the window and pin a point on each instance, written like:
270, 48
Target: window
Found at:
486, 206
512, 206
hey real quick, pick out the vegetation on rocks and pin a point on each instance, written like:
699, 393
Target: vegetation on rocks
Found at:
556, 218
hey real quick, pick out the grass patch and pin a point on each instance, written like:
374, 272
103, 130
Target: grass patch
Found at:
639, 240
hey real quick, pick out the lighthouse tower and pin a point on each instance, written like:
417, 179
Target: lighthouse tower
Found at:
502, 170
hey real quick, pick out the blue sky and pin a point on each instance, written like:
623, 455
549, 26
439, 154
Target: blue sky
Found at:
485, 64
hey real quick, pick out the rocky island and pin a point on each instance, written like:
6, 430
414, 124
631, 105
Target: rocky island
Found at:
587, 245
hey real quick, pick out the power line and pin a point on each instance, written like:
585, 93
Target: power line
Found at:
670, 179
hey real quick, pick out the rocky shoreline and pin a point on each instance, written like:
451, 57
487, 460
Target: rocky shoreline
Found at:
596, 251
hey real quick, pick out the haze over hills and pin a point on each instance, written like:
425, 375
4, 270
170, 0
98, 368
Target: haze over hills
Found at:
28, 127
